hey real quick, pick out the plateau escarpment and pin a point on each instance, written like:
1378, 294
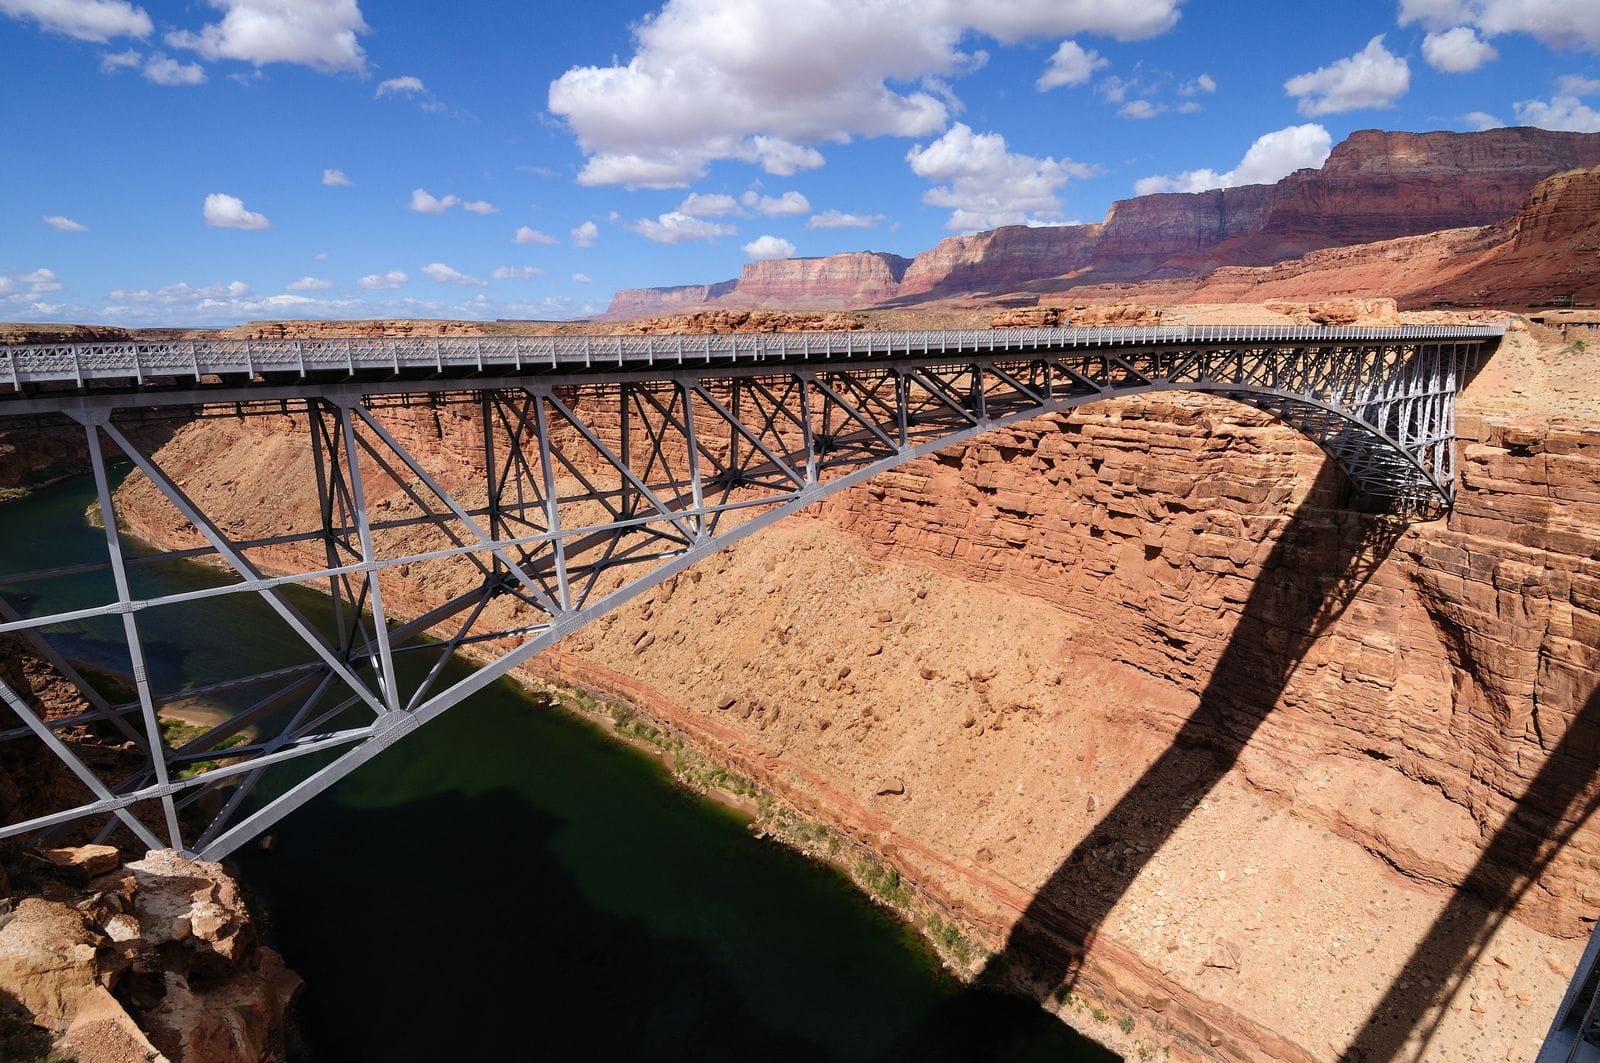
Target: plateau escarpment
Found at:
1374, 186
1134, 696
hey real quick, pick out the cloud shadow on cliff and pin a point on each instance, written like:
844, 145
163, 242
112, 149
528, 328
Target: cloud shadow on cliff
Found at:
1323, 557
1556, 804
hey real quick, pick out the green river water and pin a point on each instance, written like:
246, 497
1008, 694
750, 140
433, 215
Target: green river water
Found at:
512, 883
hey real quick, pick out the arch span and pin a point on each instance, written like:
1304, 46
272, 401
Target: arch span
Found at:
571, 480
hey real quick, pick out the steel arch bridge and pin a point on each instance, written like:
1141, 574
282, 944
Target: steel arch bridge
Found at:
602, 466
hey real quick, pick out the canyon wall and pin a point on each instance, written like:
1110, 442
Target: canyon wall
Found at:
1136, 698
857, 278
1374, 186
1002, 259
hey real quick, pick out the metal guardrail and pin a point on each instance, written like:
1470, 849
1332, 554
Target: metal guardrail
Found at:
144, 363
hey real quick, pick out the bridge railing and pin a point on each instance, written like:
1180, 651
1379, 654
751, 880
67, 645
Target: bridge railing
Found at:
166, 361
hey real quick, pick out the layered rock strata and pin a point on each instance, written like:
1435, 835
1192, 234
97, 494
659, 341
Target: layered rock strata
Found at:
1374, 186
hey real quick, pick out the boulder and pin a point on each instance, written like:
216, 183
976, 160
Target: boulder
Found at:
49, 957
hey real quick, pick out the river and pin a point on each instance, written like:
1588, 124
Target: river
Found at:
512, 883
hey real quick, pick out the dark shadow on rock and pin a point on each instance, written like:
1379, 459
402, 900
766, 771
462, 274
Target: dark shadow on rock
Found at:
1556, 804
1323, 557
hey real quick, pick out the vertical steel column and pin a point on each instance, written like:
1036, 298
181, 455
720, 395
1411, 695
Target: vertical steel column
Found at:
627, 502
805, 380
734, 423
325, 504
696, 487
902, 408
552, 510
369, 559
497, 523
130, 629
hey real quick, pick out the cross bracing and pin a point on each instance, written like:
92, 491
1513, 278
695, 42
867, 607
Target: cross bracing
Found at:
599, 467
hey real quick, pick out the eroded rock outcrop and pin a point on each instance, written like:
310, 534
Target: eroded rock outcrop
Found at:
156, 959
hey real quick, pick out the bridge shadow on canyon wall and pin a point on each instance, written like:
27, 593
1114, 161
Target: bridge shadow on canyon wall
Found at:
1557, 803
1316, 567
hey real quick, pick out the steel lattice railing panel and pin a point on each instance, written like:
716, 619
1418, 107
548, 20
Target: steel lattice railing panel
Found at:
594, 484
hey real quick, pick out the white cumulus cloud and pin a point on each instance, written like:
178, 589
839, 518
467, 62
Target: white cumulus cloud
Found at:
87, 20
987, 186
763, 248
675, 227
1070, 65
702, 205
424, 202
159, 69
443, 274
1457, 51
1566, 113
582, 278
516, 273
527, 234
709, 80
384, 282
1559, 24
1481, 120
585, 235
838, 219
320, 34
335, 178
62, 223
111, 62
480, 206
406, 85
41, 281
228, 212
787, 205
1273, 156
309, 284
164, 70
1373, 77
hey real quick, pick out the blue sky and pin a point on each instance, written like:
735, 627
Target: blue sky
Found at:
219, 161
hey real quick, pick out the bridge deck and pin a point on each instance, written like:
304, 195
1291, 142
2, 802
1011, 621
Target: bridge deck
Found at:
69, 367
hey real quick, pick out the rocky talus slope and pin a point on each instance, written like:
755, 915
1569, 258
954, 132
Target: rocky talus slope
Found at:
1137, 699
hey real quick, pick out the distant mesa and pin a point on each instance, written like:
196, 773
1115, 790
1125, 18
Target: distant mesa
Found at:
1375, 186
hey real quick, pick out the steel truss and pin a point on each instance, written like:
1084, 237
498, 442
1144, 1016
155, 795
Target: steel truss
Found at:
593, 484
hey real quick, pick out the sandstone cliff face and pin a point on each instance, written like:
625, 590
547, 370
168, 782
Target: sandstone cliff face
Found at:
1561, 209
638, 302
1140, 235
1551, 246
1000, 260
1374, 186
839, 281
